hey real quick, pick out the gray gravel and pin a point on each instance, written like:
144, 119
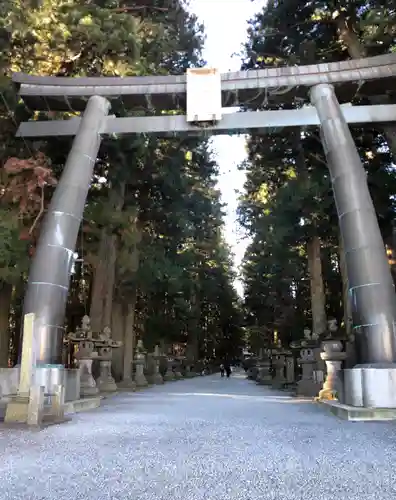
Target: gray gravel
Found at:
201, 439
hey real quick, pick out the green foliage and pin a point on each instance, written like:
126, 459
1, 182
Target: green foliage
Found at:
155, 198
185, 273
13, 252
288, 197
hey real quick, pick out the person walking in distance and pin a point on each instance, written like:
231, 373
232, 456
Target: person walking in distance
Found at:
222, 370
227, 368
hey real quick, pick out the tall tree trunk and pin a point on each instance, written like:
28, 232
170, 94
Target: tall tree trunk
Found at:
318, 299
109, 290
193, 338
356, 50
5, 306
117, 333
129, 335
345, 289
99, 283
117, 200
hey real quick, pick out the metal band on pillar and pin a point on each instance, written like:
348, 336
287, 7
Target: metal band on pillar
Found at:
371, 285
49, 276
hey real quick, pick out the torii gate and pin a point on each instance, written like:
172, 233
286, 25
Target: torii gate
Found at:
203, 92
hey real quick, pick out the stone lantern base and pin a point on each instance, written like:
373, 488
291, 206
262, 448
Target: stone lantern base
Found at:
189, 373
88, 385
264, 376
140, 379
127, 384
106, 382
169, 376
333, 357
156, 378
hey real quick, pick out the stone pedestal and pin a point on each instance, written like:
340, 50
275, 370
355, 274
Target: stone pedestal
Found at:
169, 375
140, 379
127, 383
253, 371
333, 356
177, 368
264, 375
319, 367
290, 372
189, 371
85, 357
156, 377
279, 380
105, 381
88, 385
307, 385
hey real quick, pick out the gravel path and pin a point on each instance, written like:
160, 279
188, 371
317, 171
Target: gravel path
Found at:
202, 439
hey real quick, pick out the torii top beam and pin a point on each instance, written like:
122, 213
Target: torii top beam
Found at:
238, 88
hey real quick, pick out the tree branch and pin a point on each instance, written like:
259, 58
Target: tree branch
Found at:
40, 213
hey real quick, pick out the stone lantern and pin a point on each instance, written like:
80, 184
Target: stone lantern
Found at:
264, 375
140, 361
333, 356
311, 342
278, 362
177, 365
307, 334
157, 377
89, 349
105, 345
290, 371
85, 355
170, 374
307, 385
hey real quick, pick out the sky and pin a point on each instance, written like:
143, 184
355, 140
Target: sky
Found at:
225, 27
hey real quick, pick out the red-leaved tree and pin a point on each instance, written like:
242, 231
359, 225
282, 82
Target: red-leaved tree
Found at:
23, 186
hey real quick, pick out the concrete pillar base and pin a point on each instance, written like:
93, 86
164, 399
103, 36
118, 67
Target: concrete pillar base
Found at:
371, 386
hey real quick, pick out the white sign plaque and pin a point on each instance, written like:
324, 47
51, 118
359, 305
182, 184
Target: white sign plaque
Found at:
203, 95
